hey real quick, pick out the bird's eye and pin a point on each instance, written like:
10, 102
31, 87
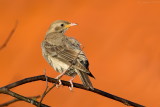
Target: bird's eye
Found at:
62, 25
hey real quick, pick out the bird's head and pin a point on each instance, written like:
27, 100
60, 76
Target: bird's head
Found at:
60, 26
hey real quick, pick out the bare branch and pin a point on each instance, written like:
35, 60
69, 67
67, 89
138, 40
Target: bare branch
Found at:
45, 93
66, 83
15, 100
9, 36
20, 97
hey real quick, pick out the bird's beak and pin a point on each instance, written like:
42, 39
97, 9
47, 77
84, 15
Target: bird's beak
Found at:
71, 24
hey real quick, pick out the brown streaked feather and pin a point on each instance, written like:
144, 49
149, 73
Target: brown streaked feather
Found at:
65, 54
71, 56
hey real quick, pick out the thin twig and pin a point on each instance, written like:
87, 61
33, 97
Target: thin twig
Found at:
15, 100
76, 85
45, 91
9, 36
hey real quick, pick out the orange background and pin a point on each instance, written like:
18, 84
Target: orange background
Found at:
121, 40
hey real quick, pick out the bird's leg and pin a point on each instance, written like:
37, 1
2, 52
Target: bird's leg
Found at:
71, 82
58, 77
63, 73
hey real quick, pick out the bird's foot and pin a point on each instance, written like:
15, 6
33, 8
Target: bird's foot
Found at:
71, 82
71, 87
58, 78
59, 83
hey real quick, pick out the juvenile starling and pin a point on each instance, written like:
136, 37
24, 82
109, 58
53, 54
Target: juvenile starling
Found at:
64, 53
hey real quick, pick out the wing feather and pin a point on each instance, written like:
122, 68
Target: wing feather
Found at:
69, 56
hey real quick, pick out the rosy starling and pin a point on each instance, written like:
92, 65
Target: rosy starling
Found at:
64, 53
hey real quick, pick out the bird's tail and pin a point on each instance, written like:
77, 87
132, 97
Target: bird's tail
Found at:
85, 79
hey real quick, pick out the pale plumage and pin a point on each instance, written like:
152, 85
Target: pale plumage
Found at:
61, 52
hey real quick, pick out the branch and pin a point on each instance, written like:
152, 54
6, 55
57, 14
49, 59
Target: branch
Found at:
66, 83
20, 97
45, 93
9, 37
15, 100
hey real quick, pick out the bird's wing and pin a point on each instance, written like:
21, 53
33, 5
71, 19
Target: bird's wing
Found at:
76, 45
82, 58
68, 55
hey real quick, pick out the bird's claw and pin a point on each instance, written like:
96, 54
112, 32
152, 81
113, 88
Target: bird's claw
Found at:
59, 83
71, 87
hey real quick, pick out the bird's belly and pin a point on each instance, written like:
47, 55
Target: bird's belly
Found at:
60, 67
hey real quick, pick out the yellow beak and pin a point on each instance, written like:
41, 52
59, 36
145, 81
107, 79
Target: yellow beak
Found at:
69, 25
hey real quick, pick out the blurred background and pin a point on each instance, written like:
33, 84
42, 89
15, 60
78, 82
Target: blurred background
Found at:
121, 39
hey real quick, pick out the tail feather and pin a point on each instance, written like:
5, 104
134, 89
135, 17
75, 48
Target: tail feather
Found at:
85, 80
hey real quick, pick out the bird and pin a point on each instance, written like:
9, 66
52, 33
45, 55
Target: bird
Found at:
65, 53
